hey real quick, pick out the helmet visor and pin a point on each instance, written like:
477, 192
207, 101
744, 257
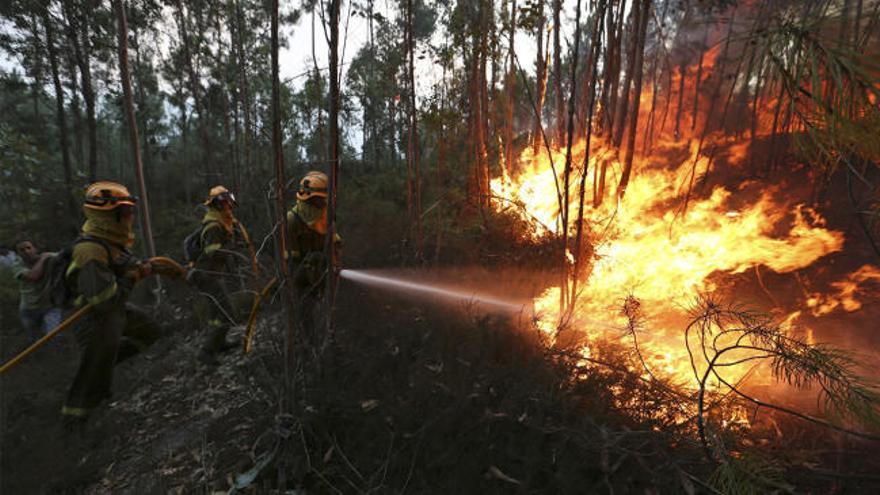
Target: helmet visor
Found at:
106, 199
227, 197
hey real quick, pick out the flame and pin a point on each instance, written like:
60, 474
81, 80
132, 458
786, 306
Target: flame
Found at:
846, 292
647, 245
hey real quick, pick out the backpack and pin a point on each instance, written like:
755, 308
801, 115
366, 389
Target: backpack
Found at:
192, 244
59, 293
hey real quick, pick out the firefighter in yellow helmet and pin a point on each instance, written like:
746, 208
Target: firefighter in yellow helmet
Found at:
307, 234
220, 238
102, 271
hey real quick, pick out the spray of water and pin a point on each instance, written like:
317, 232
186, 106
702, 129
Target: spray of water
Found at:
446, 293
463, 296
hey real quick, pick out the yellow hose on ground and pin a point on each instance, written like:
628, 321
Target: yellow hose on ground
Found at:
46, 338
251, 327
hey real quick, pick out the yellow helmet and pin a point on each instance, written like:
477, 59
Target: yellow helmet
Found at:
313, 184
106, 195
220, 193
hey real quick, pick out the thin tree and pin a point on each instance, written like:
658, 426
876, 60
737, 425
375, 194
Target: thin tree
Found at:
557, 72
194, 85
541, 76
637, 90
623, 104
511, 94
568, 160
78, 35
280, 218
595, 49
334, 7
125, 75
60, 119
412, 153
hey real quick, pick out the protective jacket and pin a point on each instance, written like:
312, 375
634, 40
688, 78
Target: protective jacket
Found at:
102, 272
220, 238
307, 228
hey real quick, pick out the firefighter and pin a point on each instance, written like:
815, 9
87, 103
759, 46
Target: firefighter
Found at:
102, 272
307, 233
221, 236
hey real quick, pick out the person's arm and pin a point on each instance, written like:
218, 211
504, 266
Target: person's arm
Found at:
36, 272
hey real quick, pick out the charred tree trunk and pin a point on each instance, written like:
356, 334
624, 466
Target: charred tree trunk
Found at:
541, 79
623, 104
485, 112
633, 123
595, 49
698, 81
557, 73
565, 298
511, 94
682, 72
125, 75
611, 78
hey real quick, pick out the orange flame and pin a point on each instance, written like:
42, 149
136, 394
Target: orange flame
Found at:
646, 246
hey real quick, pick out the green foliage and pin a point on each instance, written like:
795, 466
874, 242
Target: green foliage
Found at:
748, 474
831, 90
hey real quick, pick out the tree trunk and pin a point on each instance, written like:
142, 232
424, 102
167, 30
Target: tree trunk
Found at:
244, 91
125, 75
565, 297
682, 72
319, 80
541, 79
595, 49
484, 101
611, 66
633, 123
287, 399
334, 164
37, 69
413, 138
623, 104
698, 81
78, 35
511, 95
59, 114
75, 110
557, 73
195, 87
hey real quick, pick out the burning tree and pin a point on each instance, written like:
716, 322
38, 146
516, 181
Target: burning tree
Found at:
767, 87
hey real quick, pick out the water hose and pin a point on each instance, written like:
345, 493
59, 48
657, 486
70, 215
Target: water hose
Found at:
251, 327
167, 266
46, 338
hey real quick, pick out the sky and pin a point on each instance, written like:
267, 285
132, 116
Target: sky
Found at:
295, 59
